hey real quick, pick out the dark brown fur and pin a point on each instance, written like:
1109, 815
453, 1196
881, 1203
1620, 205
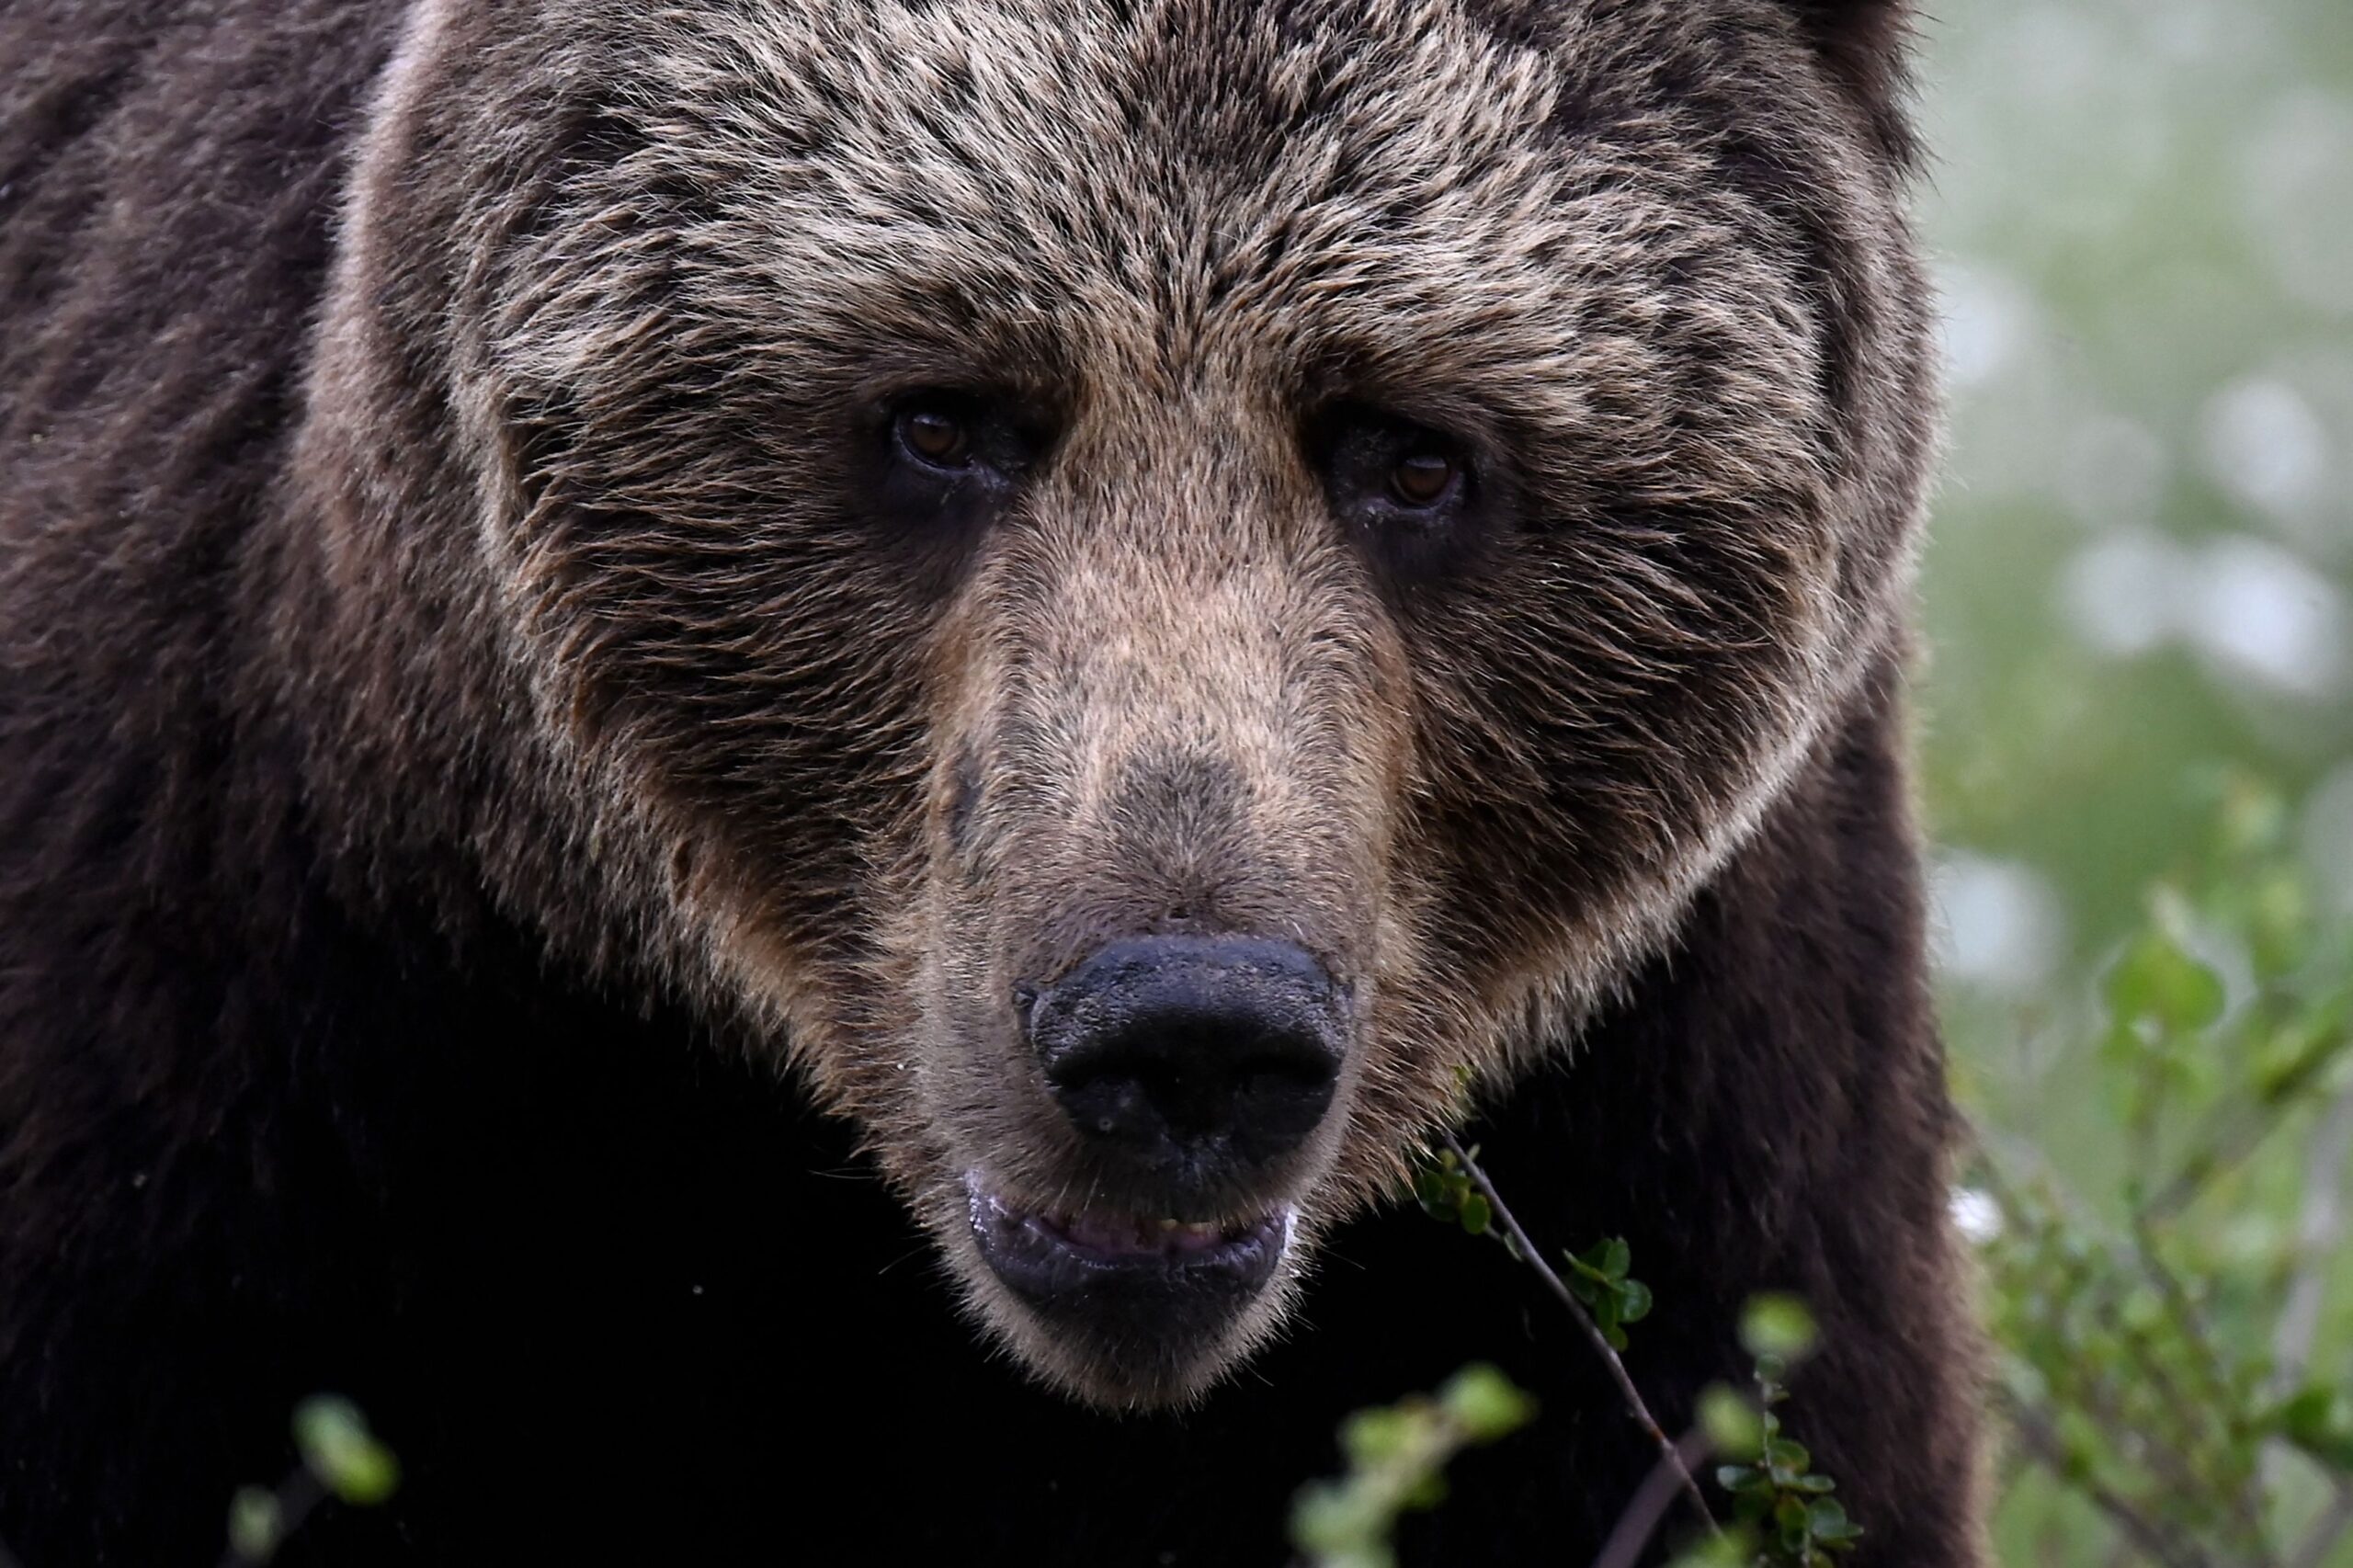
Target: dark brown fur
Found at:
468, 723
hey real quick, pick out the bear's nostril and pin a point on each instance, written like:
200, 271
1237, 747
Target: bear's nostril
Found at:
1176, 1050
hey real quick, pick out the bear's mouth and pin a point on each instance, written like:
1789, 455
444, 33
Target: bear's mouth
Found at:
1098, 1261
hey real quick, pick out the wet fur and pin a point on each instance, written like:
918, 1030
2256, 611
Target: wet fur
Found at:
458, 734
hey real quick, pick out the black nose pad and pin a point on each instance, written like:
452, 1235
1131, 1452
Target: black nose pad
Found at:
1174, 1051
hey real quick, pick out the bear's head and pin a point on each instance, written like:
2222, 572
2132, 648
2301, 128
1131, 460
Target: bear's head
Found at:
1148, 590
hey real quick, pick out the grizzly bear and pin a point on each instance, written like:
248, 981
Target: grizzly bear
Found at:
764, 759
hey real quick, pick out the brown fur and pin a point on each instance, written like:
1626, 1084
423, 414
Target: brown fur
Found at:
1688, 333
558, 606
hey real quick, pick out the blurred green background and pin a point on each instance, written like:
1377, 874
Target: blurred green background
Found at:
2139, 593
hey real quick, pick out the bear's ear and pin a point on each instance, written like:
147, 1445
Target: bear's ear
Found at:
1868, 44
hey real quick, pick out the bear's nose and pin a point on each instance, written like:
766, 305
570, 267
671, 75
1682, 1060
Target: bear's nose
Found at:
1192, 1057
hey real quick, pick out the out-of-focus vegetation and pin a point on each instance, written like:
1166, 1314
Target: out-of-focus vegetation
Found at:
2167, 1297
340, 1461
2137, 728
1397, 1456
2138, 731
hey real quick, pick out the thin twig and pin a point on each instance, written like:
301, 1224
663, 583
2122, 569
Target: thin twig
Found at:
2036, 1432
2170, 1466
2318, 1220
1669, 1454
2140, 1246
2246, 1500
1651, 1499
2316, 1226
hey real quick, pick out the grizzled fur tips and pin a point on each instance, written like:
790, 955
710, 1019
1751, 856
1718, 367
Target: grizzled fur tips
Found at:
671, 676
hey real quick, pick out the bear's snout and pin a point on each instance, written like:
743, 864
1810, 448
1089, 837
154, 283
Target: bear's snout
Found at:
1192, 1064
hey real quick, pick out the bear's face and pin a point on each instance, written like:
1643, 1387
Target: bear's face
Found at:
1165, 584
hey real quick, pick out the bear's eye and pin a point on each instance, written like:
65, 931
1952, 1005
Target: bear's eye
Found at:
1409, 493
1422, 479
931, 432
948, 440
937, 466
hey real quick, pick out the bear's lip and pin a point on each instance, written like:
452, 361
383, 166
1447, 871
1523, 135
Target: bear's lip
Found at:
1054, 1258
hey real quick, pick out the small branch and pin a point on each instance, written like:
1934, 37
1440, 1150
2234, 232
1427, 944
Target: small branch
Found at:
2174, 1467
1640, 1522
2316, 1227
1669, 1456
2318, 1222
2150, 1264
2245, 1501
2036, 1433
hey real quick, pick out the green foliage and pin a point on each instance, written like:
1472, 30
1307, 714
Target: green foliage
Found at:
1784, 1513
2174, 1348
1777, 1328
256, 1524
337, 1448
1397, 1456
341, 1459
1597, 1277
1445, 1191
2319, 1421
2165, 1359
2136, 214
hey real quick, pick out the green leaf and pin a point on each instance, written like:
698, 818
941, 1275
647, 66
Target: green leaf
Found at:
2158, 980
256, 1524
2308, 1416
1326, 1520
1785, 1459
2332, 1445
336, 1446
1476, 1214
1779, 1326
1365, 1554
1731, 1423
1828, 1521
1375, 1435
1396, 1459
1486, 1403
1634, 1301
1729, 1550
